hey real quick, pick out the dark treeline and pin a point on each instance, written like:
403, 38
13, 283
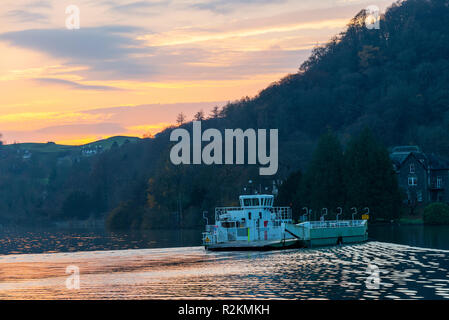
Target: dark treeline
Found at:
394, 80
361, 176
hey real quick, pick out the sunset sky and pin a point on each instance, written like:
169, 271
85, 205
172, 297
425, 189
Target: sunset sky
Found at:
134, 65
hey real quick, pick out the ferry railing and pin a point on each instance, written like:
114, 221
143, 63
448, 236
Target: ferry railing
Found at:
234, 234
272, 233
282, 213
335, 223
229, 234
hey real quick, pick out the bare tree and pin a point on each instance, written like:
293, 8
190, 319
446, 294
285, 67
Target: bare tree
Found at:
199, 116
181, 119
215, 113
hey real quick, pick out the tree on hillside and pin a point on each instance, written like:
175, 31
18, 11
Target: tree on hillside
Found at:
199, 116
77, 205
215, 113
323, 185
181, 119
124, 217
370, 179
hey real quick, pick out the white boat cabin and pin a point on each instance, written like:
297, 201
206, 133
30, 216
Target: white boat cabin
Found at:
256, 219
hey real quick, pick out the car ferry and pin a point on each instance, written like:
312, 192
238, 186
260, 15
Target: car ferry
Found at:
257, 225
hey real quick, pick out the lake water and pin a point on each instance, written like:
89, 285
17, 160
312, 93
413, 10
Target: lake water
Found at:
411, 262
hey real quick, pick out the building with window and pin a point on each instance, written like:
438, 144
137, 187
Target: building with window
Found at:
423, 177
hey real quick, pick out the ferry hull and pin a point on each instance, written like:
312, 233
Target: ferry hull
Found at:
257, 245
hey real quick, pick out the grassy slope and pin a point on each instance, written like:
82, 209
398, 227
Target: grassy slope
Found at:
52, 147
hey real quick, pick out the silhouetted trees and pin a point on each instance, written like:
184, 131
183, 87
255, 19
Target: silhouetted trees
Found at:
181, 119
77, 205
360, 177
199, 116
369, 177
323, 184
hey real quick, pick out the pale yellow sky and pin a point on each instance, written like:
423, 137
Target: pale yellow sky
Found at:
134, 64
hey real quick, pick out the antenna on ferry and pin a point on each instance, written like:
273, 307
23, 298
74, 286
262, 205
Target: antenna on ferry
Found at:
340, 211
354, 213
205, 218
322, 216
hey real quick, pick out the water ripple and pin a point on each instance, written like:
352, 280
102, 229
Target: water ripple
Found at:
328, 273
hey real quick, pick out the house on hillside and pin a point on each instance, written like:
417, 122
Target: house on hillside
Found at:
90, 150
26, 155
423, 177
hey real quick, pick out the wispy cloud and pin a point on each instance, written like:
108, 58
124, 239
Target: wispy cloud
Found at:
75, 85
135, 7
26, 16
111, 50
36, 11
97, 128
227, 6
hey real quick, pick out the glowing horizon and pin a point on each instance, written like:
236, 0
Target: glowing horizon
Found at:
134, 65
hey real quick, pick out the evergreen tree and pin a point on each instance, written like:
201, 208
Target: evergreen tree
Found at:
323, 185
370, 179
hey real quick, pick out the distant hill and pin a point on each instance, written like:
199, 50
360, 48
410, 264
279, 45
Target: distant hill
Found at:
107, 143
51, 147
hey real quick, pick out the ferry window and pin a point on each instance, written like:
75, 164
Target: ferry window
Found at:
247, 202
260, 215
228, 224
249, 215
255, 202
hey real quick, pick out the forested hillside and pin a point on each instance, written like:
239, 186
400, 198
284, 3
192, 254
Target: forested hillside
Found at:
394, 80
